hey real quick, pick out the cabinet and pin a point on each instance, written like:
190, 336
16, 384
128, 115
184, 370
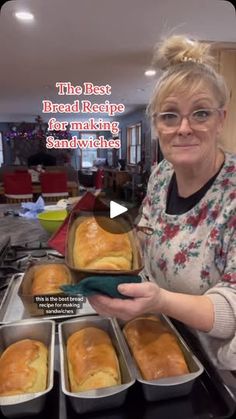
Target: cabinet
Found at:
226, 65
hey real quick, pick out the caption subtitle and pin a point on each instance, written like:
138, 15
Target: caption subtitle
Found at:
52, 304
83, 107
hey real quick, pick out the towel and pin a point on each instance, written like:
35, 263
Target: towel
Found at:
32, 209
103, 285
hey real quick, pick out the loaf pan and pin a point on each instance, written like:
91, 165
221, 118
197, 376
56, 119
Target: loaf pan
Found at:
24, 291
165, 388
103, 398
126, 222
44, 331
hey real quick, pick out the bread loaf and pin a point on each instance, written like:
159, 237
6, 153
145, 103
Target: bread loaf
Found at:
92, 360
23, 368
155, 348
48, 278
101, 248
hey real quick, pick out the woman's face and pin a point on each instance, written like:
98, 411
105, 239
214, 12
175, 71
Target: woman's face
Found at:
189, 143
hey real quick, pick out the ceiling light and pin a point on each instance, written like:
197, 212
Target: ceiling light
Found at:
26, 16
150, 72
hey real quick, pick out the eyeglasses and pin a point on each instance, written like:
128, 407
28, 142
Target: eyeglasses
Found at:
195, 118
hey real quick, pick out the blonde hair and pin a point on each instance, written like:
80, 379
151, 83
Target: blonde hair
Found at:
187, 64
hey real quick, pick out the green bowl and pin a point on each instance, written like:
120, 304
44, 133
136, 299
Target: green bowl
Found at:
52, 220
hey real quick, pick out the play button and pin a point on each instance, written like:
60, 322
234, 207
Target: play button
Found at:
114, 217
116, 209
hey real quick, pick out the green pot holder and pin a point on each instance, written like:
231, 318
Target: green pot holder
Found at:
105, 285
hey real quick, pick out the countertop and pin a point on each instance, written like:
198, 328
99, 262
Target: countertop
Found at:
21, 230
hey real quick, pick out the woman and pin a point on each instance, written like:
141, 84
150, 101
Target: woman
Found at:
190, 207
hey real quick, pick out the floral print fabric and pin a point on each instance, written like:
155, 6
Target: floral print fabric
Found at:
195, 252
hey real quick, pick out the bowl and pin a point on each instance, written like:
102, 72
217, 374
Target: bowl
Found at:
52, 220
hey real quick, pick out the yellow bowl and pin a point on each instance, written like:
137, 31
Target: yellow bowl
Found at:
52, 220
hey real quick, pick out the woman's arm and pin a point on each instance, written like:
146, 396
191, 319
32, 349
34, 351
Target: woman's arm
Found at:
147, 297
196, 311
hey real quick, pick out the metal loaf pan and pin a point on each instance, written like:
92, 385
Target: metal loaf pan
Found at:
165, 388
125, 223
44, 331
24, 291
103, 398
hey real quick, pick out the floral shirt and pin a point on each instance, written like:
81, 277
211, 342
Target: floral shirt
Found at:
195, 252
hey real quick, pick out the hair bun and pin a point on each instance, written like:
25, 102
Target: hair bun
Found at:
179, 49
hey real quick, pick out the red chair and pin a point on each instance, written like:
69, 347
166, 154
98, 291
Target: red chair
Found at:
99, 179
54, 185
21, 171
17, 187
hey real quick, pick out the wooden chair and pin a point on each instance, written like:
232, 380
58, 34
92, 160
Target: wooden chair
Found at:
17, 187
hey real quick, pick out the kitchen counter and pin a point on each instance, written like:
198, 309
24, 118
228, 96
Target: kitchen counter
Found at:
21, 230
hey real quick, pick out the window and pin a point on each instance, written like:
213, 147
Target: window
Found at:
1, 150
110, 157
134, 144
88, 155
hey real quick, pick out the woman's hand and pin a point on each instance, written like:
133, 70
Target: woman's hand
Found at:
146, 298
196, 311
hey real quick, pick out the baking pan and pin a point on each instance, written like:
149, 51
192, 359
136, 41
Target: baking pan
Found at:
24, 290
4, 299
103, 398
44, 331
125, 222
12, 308
165, 388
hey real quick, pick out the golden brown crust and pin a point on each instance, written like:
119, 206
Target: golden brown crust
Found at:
101, 249
92, 360
155, 348
48, 279
23, 367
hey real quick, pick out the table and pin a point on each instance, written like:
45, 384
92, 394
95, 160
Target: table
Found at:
71, 185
